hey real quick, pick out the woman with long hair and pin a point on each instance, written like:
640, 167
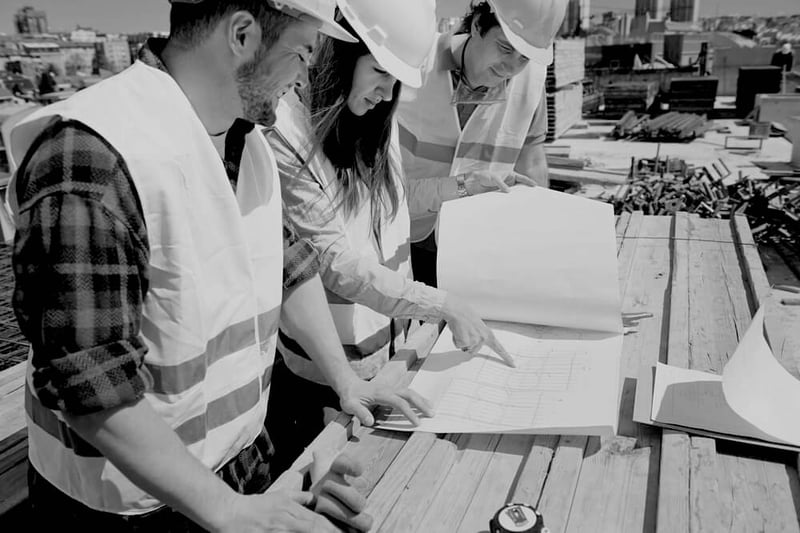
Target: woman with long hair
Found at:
343, 189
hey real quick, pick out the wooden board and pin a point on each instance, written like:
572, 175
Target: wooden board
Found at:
697, 282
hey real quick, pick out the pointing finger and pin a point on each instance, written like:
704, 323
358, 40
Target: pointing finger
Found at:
498, 348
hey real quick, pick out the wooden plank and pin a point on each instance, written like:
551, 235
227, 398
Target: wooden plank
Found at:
723, 495
556, 501
497, 485
781, 321
393, 480
13, 470
414, 501
613, 492
12, 398
534, 472
449, 506
618, 485
673, 494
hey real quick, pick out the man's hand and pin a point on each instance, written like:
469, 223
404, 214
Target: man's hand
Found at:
480, 182
275, 511
337, 498
360, 395
470, 333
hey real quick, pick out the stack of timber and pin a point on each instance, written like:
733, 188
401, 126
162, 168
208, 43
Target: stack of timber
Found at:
670, 127
564, 108
623, 96
569, 57
565, 86
693, 95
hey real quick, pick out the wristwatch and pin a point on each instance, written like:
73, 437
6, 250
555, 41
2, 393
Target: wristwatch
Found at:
461, 184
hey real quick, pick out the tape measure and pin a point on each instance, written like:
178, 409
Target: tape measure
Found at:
517, 518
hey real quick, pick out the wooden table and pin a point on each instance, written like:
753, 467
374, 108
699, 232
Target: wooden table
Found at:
702, 281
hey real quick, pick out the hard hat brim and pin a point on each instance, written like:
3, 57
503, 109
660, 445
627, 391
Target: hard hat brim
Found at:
539, 56
401, 70
331, 29
406, 74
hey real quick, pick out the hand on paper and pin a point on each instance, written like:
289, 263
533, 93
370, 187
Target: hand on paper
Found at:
470, 333
336, 497
360, 395
481, 181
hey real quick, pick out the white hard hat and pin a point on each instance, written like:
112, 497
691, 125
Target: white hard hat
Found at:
323, 11
531, 25
399, 35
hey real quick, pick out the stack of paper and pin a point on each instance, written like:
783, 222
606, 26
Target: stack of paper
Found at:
755, 400
542, 267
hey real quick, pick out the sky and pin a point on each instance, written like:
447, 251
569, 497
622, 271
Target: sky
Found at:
128, 16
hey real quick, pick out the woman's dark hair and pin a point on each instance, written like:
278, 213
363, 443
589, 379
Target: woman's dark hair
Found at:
479, 11
358, 147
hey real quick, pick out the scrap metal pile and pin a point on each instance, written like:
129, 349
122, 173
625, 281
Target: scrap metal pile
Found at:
670, 127
664, 186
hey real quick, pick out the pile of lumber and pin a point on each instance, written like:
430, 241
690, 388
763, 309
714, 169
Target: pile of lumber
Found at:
665, 187
670, 127
565, 86
564, 109
695, 94
622, 96
569, 58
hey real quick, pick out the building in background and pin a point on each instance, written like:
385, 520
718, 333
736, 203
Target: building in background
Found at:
576, 19
116, 52
654, 9
685, 10
30, 21
83, 35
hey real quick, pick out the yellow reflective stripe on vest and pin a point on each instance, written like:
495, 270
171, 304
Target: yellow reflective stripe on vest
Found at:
489, 153
425, 150
219, 412
180, 378
47, 420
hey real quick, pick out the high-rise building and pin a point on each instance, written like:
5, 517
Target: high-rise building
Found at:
685, 10
116, 52
30, 21
655, 9
578, 12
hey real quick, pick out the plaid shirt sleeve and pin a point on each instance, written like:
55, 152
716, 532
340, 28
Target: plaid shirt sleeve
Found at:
80, 261
301, 260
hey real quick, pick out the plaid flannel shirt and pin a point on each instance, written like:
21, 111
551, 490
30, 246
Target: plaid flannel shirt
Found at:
81, 265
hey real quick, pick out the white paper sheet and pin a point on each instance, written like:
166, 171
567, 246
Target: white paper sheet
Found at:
544, 265
759, 389
754, 397
566, 382
532, 256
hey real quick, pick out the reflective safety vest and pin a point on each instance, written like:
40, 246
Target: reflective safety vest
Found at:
432, 141
368, 337
211, 314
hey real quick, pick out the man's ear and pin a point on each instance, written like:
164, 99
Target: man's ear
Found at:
475, 27
244, 35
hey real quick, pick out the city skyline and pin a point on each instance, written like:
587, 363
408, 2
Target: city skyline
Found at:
121, 16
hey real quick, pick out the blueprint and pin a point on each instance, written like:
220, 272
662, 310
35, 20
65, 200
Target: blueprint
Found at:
541, 268
565, 382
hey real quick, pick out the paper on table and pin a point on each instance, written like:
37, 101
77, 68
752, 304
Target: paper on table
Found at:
566, 382
532, 256
754, 397
695, 399
759, 389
